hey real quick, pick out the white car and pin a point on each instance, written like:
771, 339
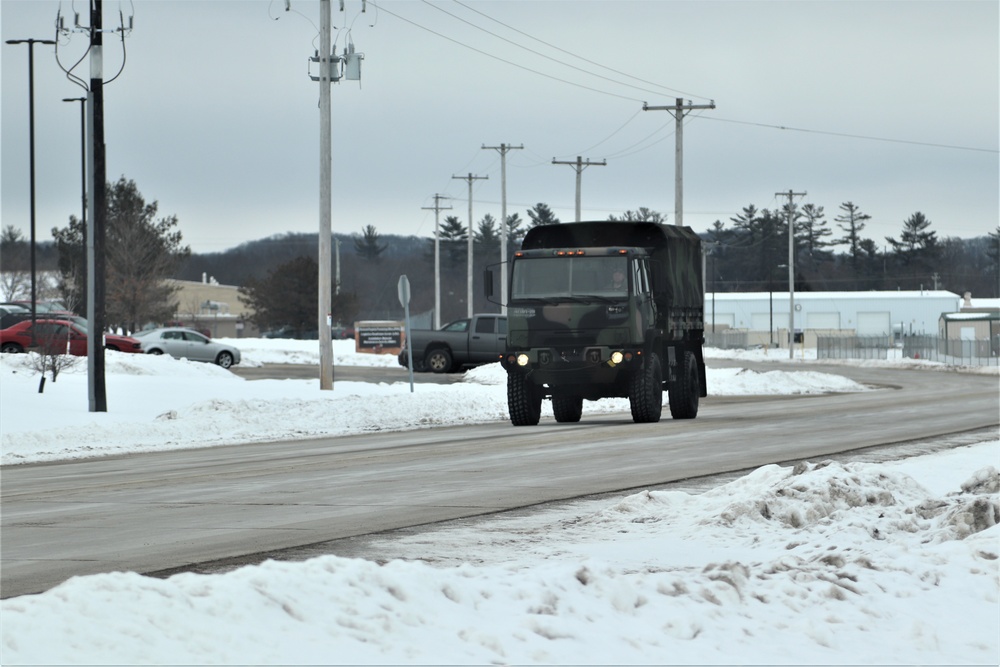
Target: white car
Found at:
187, 344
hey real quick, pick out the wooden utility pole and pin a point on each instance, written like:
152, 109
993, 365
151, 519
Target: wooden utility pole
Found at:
468, 279
791, 267
580, 165
323, 314
678, 111
437, 208
503, 149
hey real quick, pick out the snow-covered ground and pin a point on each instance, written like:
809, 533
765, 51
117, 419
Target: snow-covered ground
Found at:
850, 563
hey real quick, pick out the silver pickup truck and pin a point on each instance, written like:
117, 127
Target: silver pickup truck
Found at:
458, 344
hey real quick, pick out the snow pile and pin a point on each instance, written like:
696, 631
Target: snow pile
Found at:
821, 563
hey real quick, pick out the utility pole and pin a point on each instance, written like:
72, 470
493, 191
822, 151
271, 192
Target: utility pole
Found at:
325, 199
31, 162
468, 281
97, 229
791, 267
678, 111
437, 208
503, 149
579, 165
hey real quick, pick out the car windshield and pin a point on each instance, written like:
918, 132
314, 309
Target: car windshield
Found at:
558, 278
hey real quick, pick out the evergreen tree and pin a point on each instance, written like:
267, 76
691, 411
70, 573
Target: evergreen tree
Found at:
141, 252
915, 242
487, 241
851, 222
812, 230
286, 297
541, 214
454, 242
368, 245
515, 231
643, 214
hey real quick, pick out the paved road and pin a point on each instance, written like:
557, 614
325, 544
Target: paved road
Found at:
155, 512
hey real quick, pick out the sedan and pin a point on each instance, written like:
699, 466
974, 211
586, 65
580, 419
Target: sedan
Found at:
58, 336
188, 344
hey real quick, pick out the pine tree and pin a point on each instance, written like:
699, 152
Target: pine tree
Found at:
812, 230
851, 222
643, 214
368, 245
541, 214
915, 242
454, 242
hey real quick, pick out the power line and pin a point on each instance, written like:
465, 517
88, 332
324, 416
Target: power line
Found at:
855, 136
590, 62
503, 60
537, 53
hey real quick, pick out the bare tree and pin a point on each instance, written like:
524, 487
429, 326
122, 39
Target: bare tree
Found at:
52, 352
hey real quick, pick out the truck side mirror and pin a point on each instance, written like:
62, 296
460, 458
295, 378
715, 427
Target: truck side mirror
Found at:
488, 283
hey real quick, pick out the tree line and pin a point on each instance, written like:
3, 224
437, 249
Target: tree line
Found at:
278, 276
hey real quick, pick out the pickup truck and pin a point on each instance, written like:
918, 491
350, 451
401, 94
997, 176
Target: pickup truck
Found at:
458, 344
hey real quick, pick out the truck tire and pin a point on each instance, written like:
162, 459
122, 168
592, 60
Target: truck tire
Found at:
438, 360
567, 408
645, 393
683, 394
524, 400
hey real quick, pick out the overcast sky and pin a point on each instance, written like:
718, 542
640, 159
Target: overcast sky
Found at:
891, 105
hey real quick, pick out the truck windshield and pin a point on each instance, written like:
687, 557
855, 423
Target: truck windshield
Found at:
560, 277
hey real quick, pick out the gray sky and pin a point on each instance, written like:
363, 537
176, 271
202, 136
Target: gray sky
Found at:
891, 105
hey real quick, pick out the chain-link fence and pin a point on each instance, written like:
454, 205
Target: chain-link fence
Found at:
853, 347
728, 339
951, 350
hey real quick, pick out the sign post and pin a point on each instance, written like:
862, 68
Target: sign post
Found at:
404, 301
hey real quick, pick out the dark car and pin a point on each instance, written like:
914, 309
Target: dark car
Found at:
59, 336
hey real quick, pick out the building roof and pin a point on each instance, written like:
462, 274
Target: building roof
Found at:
872, 294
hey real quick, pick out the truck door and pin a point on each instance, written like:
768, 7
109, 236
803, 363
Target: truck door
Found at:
483, 339
644, 306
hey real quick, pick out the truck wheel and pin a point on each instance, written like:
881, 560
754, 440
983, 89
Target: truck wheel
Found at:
11, 348
438, 360
645, 394
567, 408
683, 394
524, 400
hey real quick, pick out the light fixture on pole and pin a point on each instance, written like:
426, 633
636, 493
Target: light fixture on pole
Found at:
31, 150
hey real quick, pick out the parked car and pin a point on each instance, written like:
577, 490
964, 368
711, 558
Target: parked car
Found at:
59, 336
185, 343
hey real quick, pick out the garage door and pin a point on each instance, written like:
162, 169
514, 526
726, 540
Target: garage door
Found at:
873, 324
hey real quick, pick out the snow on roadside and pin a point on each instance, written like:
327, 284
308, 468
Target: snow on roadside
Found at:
823, 563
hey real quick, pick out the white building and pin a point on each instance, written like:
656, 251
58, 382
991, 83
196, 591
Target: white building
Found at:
765, 314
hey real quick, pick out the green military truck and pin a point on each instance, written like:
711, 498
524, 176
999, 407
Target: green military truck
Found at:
605, 309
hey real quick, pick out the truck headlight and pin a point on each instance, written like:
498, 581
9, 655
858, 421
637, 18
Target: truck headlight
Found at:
617, 357
522, 359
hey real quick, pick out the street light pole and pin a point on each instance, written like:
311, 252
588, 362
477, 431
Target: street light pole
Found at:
83, 174
31, 150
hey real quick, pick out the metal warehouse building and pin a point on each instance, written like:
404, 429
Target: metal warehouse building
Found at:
764, 315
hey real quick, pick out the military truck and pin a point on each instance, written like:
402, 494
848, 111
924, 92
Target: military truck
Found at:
577, 331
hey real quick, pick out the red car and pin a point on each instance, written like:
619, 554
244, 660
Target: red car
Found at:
59, 337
